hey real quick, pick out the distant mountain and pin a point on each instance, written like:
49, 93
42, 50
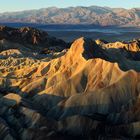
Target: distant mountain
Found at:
95, 15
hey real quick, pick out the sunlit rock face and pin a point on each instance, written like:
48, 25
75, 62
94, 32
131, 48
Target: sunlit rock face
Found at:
90, 91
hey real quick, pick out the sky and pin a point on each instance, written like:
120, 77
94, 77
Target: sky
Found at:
19, 5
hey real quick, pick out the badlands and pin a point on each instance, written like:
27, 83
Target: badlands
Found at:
53, 90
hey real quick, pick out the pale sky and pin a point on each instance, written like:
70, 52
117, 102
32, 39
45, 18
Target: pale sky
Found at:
19, 5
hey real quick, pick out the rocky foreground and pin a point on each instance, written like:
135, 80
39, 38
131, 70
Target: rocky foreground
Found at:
50, 91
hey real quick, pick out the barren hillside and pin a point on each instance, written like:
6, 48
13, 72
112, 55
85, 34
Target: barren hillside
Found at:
89, 91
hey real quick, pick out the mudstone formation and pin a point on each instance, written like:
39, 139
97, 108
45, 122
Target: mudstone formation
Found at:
50, 90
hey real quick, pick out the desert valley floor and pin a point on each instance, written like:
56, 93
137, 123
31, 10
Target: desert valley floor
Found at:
50, 89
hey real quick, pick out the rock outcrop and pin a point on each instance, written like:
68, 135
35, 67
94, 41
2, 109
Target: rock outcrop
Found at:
32, 38
90, 91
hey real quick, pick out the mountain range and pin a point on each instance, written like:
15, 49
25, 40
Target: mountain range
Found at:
102, 16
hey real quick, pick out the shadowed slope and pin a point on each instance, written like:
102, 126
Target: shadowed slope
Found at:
32, 38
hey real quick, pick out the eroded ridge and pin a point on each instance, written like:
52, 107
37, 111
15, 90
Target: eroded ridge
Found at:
89, 91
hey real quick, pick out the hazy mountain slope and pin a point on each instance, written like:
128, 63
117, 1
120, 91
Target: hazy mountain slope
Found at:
90, 91
103, 16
